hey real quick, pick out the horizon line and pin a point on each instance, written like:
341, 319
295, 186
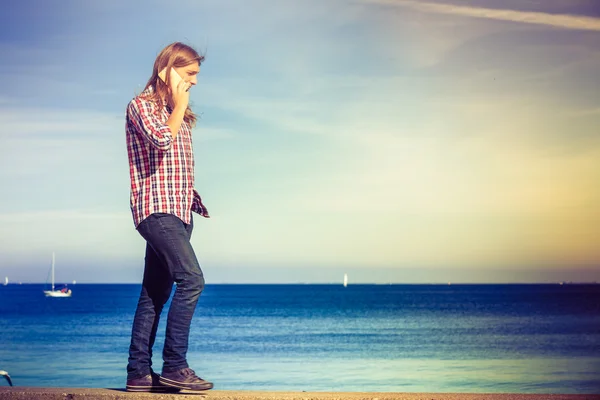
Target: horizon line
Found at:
329, 283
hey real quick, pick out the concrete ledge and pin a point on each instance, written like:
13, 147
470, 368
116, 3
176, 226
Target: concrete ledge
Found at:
34, 393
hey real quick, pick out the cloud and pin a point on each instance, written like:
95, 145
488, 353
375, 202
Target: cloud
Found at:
205, 133
66, 215
468, 175
585, 112
22, 121
46, 124
538, 18
79, 231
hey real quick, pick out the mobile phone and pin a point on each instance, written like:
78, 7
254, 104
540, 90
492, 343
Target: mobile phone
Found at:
175, 77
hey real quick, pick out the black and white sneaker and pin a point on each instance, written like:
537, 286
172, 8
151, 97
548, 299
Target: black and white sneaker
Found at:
148, 383
185, 380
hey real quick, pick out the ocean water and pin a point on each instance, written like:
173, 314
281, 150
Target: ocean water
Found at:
401, 338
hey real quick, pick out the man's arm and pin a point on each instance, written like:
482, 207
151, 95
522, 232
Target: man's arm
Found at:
176, 119
141, 113
181, 98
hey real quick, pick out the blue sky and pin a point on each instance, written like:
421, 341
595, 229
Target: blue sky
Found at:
398, 141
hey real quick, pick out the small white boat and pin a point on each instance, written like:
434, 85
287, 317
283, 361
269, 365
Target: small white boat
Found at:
64, 292
5, 280
345, 280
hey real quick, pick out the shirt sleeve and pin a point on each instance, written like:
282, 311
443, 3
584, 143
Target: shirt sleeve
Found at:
142, 115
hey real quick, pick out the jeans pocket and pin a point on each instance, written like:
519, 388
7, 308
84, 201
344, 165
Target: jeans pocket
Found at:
155, 225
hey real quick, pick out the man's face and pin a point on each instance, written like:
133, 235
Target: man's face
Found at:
189, 72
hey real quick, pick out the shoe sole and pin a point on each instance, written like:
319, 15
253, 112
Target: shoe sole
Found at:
183, 386
151, 389
188, 391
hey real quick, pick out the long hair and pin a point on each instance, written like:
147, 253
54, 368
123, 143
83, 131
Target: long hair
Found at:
174, 55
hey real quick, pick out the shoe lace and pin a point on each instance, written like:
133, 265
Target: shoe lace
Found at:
188, 372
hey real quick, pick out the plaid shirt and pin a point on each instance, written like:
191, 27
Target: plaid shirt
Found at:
161, 168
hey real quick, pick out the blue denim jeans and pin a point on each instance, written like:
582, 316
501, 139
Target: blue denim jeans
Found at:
170, 259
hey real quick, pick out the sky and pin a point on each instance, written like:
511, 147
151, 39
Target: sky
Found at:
394, 140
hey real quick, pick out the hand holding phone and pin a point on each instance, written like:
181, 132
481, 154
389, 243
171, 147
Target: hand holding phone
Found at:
179, 88
175, 78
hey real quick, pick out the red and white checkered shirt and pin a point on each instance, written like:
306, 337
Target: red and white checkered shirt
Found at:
161, 168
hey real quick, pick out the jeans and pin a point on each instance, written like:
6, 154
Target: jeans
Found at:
169, 258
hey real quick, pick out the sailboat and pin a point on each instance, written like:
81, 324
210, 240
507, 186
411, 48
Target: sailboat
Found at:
345, 280
64, 292
5, 280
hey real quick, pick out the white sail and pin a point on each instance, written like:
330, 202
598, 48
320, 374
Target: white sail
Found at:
5, 280
56, 293
53, 271
345, 280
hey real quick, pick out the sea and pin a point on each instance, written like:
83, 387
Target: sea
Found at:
491, 338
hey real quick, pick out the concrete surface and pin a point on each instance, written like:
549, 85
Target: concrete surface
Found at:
34, 393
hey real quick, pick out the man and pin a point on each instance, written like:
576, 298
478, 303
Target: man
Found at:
161, 164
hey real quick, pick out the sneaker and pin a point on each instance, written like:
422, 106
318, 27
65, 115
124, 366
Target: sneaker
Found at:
185, 379
148, 383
